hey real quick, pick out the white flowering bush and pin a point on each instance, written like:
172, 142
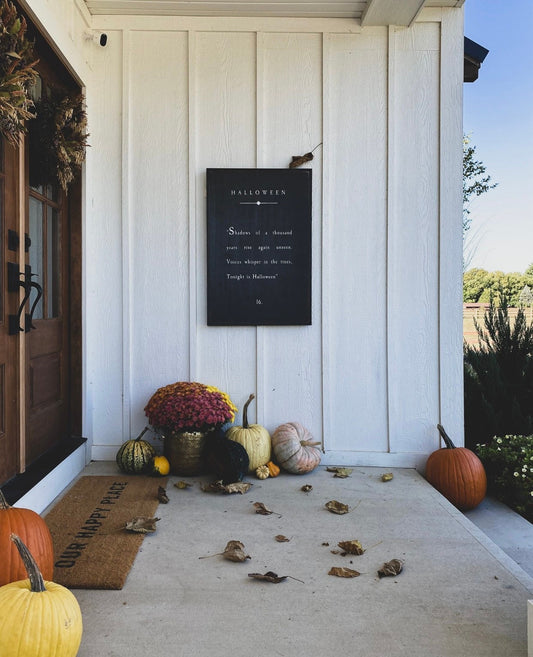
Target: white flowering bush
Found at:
508, 461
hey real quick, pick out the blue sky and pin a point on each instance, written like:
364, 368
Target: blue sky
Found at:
498, 116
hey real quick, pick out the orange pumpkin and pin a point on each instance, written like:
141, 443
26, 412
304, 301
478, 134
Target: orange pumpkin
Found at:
34, 532
457, 473
295, 449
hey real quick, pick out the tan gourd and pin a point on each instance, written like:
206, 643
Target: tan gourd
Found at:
253, 437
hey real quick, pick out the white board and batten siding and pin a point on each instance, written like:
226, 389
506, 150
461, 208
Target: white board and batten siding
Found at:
381, 363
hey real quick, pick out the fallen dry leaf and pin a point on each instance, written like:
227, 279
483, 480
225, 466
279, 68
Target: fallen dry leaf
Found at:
307, 488
262, 509
274, 578
282, 539
162, 495
341, 473
218, 487
182, 485
234, 551
391, 568
341, 571
388, 476
337, 507
351, 547
141, 525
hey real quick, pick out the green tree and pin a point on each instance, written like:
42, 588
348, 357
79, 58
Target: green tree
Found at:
475, 281
475, 182
529, 271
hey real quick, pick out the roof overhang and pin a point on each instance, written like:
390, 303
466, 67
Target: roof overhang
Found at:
474, 55
366, 12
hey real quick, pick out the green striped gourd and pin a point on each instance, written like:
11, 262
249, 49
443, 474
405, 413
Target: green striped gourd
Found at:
135, 456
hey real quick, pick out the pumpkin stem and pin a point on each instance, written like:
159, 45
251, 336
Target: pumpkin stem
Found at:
34, 574
142, 433
447, 440
3, 502
245, 424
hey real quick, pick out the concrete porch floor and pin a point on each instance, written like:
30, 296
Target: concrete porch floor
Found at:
459, 594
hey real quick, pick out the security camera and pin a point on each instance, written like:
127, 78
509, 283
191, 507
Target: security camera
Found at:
97, 37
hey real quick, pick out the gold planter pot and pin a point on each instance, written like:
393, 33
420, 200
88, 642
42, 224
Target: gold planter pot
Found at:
185, 451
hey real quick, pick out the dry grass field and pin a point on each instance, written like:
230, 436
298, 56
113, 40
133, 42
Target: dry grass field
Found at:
476, 311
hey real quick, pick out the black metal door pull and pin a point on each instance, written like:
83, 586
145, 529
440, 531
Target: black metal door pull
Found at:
15, 280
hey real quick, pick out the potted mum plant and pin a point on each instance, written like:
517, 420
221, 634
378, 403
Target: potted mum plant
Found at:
183, 413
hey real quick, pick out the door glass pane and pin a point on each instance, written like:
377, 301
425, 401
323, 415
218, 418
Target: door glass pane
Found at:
36, 249
52, 251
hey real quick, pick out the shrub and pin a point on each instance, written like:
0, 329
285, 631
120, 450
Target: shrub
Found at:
508, 461
498, 377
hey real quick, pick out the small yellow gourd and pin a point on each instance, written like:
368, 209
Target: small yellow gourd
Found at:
262, 472
254, 438
160, 466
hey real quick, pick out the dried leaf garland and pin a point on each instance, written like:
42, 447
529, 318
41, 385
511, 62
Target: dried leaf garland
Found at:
391, 568
341, 571
17, 73
337, 507
142, 525
58, 138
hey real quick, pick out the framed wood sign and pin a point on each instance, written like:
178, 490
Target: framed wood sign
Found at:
258, 247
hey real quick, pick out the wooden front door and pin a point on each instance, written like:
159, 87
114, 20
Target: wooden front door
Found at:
47, 376
40, 253
10, 298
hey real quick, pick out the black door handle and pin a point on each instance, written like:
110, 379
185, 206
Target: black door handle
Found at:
39, 289
16, 280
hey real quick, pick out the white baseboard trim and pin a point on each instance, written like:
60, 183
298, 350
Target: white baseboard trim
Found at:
345, 458
530, 628
43, 493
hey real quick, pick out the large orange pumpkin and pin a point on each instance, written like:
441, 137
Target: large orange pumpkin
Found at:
457, 473
34, 532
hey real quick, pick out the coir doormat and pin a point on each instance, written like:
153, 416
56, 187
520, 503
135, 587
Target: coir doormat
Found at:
91, 547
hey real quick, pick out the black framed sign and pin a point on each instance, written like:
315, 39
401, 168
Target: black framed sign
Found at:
258, 247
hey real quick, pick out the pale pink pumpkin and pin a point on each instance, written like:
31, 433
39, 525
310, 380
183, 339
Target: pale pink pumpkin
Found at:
295, 449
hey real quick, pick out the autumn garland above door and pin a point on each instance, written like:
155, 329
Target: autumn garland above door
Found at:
57, 121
